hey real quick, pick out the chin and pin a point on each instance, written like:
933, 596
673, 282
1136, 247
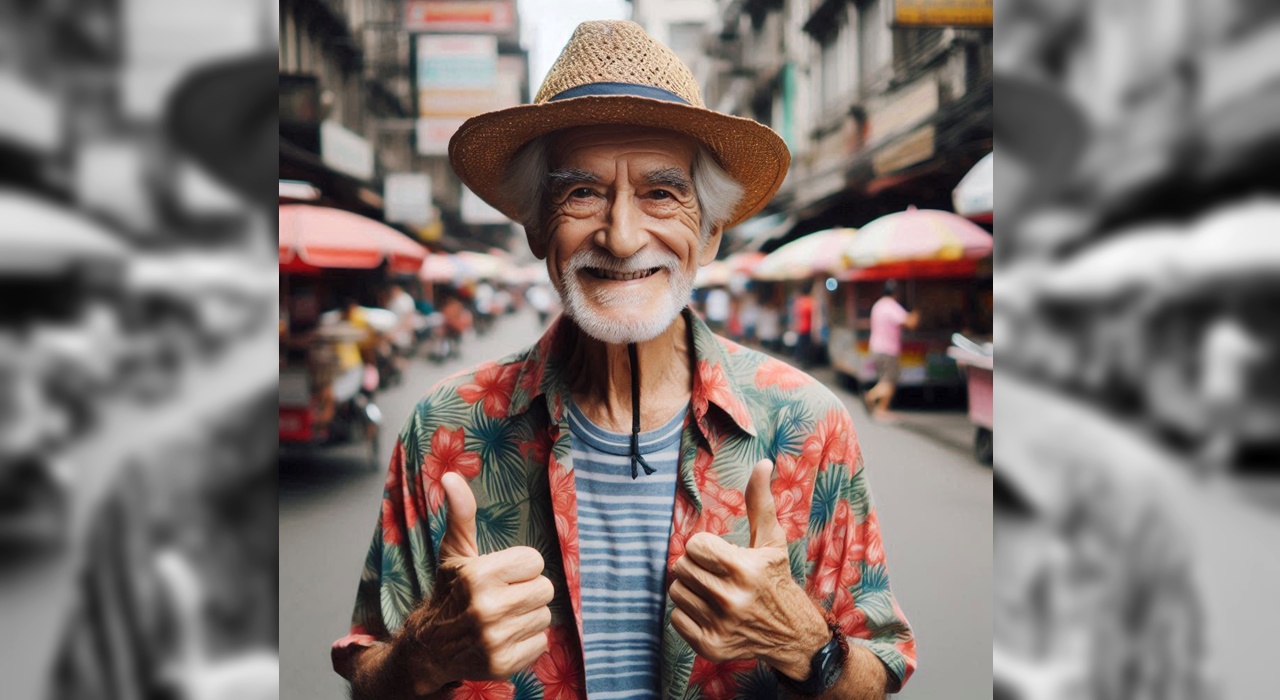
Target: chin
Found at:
621, 327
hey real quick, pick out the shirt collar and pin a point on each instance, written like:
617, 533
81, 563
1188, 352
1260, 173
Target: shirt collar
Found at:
713, 383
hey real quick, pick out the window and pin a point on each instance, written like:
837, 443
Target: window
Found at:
874, 48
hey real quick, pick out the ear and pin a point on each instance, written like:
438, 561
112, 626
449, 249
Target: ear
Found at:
537, 243
712, 246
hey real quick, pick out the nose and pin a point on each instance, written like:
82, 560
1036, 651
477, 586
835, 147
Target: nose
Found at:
622, 234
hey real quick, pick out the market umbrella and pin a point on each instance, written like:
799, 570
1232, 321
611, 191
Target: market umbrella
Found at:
745, 262
1239, 241
439, 269
918, 235
39, 235
974, 196
324, 237
714, 274
1127, 261
816, 253
483, 265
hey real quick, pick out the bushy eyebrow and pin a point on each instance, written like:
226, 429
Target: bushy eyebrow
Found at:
560, 179
669, 177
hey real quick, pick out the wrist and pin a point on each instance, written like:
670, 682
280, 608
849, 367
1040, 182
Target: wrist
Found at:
792, 658
418, 671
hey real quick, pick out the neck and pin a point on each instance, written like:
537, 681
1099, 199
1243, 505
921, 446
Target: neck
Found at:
601, 386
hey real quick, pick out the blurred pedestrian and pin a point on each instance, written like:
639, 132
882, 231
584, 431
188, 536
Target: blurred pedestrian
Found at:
888, 318
802, 325
1228, 354
625, 184
717, 307
539, 296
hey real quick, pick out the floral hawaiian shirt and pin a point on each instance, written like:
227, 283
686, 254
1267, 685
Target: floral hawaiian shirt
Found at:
504, 426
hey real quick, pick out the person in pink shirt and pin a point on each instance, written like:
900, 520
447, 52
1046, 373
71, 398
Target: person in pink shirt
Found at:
888, 318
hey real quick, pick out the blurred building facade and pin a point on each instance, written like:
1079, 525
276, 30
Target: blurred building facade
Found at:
878, 117
354, 92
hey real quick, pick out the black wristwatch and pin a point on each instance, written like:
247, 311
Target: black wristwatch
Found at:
825, 667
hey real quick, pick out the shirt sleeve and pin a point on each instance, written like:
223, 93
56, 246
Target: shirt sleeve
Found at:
848, 572
399, 568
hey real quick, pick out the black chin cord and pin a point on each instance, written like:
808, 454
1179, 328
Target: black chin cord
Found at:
636, 458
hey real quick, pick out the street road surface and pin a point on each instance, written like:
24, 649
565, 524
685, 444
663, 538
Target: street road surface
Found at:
935, 513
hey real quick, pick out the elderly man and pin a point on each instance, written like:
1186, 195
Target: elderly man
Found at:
544, 531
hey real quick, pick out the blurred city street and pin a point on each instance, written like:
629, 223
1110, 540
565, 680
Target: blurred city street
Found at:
934, 500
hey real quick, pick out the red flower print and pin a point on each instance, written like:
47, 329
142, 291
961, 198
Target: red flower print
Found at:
869, 537
485, 690
560, 669
852, 620
717, 679
448, 454
536, 450
564, 504
829, 443
392, 533
835, 554
712, 386
683, 522
792, 486
773, 372
720, 505
494, 385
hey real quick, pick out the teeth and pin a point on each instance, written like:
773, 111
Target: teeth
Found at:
623, 276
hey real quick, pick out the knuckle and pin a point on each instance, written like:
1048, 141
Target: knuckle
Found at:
546, 590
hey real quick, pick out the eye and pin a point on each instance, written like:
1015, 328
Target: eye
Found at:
661, 194
582, 193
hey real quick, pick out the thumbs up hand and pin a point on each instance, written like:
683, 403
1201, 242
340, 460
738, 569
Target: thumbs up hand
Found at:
740, 602
487, 615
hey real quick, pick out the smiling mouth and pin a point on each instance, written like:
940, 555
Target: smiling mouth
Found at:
603, 274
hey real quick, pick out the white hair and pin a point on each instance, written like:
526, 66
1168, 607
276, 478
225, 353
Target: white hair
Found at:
717, 193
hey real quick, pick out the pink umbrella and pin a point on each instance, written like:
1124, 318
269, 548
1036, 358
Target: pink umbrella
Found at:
438, 268
918, 235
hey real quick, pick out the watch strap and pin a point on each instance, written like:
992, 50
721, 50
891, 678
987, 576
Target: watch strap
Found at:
825, 667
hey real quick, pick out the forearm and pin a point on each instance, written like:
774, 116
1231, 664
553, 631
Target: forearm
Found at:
864, 677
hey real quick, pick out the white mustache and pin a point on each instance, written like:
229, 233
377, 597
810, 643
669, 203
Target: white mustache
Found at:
646, 259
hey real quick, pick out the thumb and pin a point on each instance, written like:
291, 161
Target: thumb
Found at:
460, 519
762, 514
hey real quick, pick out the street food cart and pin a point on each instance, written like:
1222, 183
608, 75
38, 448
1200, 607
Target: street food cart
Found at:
330, 259
943, 265
978, 365
1229, 266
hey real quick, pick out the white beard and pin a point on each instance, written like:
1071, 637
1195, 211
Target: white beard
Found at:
578, 306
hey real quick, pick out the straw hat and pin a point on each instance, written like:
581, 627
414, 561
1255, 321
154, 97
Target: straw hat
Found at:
612, 72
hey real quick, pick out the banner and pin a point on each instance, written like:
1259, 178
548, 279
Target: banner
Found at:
942, 13
457, 78
460, 16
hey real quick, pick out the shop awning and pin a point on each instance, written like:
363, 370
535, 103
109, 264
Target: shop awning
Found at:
814, 254
918, 235
314, 237
37, 235
974, 196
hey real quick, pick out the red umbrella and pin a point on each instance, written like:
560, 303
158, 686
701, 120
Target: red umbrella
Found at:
322, 237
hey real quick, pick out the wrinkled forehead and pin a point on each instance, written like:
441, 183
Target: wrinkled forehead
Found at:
602, 147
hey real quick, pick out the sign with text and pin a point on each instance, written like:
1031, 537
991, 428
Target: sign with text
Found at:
460, 16
408, 198
942, 13
457, 78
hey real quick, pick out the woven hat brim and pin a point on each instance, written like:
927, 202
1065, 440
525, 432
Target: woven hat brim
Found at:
751, 153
